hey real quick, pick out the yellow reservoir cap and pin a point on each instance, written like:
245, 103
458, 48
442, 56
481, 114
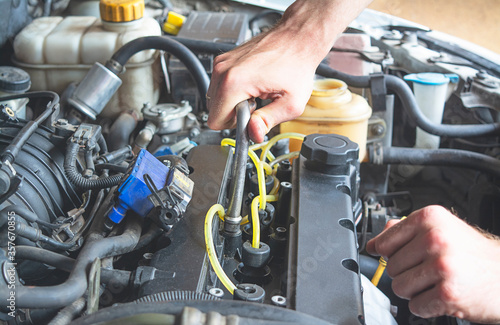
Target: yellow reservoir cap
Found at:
173, 23
120, 11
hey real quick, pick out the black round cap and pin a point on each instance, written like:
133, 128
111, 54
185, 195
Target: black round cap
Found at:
14, 80
255, 257
249, 292
329, 149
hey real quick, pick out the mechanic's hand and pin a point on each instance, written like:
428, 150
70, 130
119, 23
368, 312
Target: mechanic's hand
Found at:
265, 67
442, 265
278, 65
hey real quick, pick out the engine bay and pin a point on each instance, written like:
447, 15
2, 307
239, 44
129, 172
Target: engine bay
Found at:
120, 204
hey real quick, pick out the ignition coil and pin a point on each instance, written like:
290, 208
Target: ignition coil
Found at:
153, 189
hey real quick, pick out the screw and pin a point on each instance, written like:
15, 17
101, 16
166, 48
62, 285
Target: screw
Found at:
278, 301
194, 132
216, 292
378, 129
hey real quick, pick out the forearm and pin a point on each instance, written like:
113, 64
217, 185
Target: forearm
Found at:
315, 24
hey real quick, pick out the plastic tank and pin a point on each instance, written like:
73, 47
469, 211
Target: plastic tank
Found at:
431, 92
332, 108
57, 51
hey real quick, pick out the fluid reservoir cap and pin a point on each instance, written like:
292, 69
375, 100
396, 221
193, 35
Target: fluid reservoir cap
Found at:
329, 149
120, 11
173, 23
431, 78
14, 80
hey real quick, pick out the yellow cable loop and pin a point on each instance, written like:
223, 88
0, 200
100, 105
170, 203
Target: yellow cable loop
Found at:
251, 153
287, 156
255, 219
212, 256
276, 186
261, 145
261, 177
289, 135
382, 263
256, 161
228, 142
255, 223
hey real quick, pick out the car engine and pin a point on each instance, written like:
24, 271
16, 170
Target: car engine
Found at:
119, 204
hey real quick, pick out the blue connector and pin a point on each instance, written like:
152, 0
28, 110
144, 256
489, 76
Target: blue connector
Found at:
134, 191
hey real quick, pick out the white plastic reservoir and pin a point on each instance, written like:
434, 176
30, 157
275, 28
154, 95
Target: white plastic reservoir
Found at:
431, 92
57, 51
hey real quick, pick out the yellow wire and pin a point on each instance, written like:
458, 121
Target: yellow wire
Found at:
261, 145
276, 186
212, 256
286, 156
228, 142
251, 154
290, 135
255, 219
382, 263
255, 223
261, 177
255, 159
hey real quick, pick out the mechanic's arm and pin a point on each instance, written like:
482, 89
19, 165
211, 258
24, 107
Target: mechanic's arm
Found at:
442, 265
278, 65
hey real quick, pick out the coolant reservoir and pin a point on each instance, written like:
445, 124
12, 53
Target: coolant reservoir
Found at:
431, 92
57, 51
332, 108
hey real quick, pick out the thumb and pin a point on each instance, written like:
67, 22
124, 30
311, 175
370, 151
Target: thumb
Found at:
371, 244
264, 119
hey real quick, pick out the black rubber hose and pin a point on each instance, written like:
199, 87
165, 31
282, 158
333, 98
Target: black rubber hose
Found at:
24, 213
66, 315
103, 146
76, 284
10, 153
77, 179
120, 131
167, 44
435, 157
111, 167
409, 102
353, 81
248, 312
35, 235
25, 230
146, 239
65, 263
205, 46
